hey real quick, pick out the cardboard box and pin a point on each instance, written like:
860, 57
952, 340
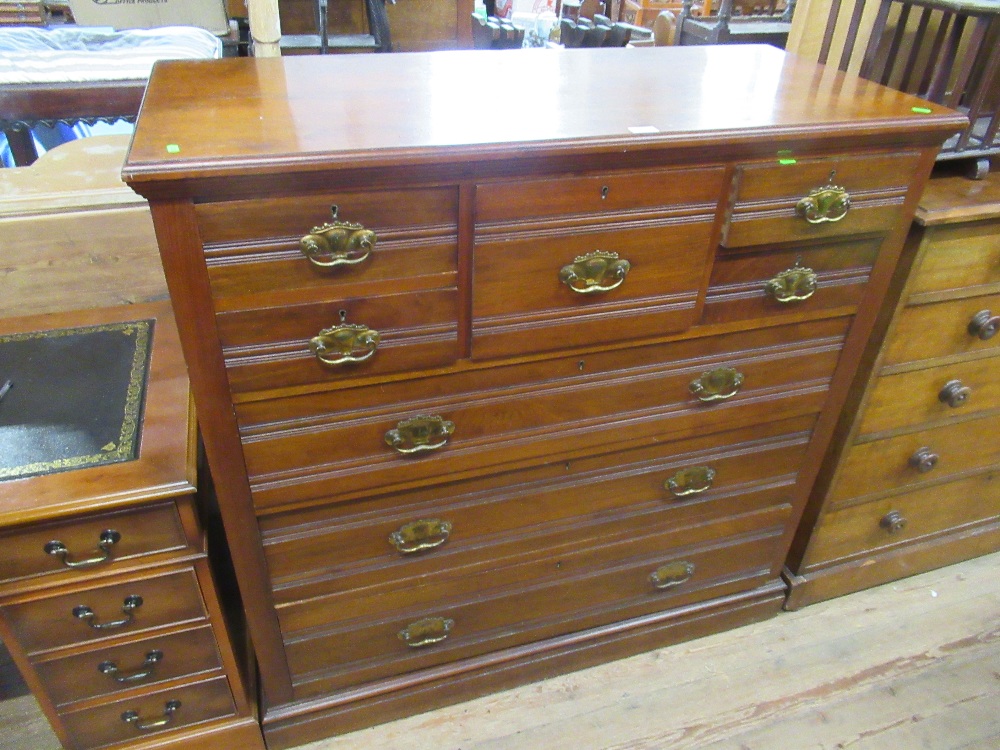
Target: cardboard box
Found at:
146, 14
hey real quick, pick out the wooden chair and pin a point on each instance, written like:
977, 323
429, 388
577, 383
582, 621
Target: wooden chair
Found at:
727, 28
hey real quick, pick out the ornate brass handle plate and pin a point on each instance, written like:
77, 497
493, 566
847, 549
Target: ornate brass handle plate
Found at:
420, 535
144, 725
129, 606
337, 243
829, 203
426, 632
717, 385
594, 273
954, 393
893, 522
422, 433
924, 460
344, 344
690, 481
984, 325
672, 574
792, 285
108, 539
146, 670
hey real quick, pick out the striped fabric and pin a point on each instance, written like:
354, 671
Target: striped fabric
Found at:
81, 54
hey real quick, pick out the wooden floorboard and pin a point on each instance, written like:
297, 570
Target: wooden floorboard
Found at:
909, 665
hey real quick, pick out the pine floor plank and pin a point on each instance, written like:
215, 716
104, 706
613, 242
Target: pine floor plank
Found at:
909, 665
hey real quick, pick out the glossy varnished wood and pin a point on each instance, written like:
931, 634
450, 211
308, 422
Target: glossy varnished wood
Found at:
600, 155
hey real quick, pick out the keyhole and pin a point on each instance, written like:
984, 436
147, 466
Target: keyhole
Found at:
581, 364
343, 315
604, 192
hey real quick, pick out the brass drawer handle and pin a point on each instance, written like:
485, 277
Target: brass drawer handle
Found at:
146, 670
984, 325
717, 385
829, 203
792, 285
594, 273
420, 535
344, 344
337, 243
422, 433
690, 481
954, 393
129, 606
672, 575
426, 632
924, 460
108, 539
893, 521
143, 725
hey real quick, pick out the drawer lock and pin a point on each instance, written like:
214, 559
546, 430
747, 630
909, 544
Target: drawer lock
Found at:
595, 273
672, 574
418, 434
691, 481
717, 385
829, 203
145, 725
143, 672
108, 539
420, 535
129, 606
954, 393
338, 243
426, 632
344, 344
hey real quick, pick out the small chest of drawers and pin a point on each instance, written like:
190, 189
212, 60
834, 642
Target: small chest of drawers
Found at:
495, 386
913, 483
107, 601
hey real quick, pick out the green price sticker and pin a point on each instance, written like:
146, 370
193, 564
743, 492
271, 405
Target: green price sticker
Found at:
173, 148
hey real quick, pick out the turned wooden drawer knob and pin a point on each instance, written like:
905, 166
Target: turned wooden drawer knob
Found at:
924, 460
337, 243
954, 393
108, 539
984, 325
893, 521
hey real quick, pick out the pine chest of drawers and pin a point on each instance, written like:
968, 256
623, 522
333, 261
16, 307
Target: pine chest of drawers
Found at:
108, 604
913, 483
496, 384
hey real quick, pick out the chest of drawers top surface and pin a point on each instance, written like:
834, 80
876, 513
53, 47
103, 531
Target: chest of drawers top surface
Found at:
291, 114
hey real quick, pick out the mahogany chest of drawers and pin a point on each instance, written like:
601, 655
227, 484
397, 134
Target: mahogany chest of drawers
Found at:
913, 483
107, 601
496, 384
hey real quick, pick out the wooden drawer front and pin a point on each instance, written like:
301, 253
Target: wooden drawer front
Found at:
105, 725
547, 596
270, 348
908, 399
901, 519
940, 329
737, 289
958, 257
48, 623
592, 196
883, 465
109, 670
254, 257
144, 531
766, 194
555, 412
306, 550
519, 304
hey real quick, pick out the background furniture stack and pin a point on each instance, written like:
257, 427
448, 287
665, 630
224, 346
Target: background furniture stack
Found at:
498, 387
912, 485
